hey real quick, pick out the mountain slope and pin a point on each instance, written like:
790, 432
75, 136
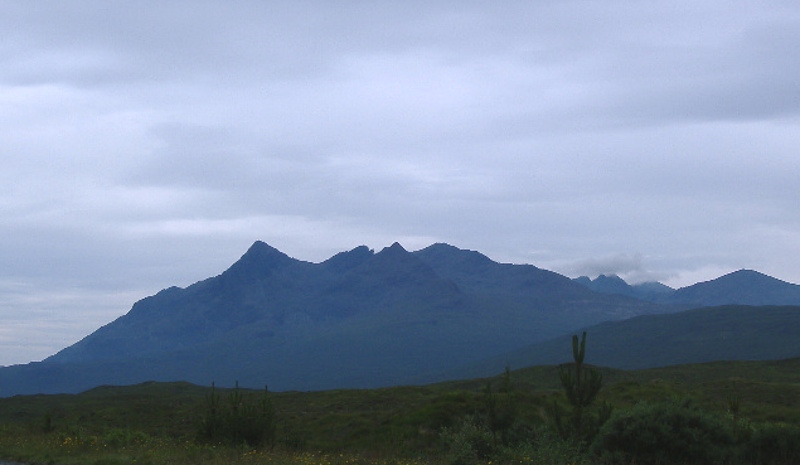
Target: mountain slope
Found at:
732, 332
613, 284
745, 287
559, 298
358, 319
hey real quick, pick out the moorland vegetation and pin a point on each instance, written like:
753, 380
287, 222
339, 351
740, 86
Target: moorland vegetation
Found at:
723, 413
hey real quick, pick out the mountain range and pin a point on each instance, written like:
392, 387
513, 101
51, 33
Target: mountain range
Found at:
746, 287
359, 319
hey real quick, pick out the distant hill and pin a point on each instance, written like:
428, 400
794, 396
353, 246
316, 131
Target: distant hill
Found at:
731, 332
746, 287
613, 284
358, 319
363, 319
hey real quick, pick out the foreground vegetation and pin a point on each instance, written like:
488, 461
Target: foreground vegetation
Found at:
726, 412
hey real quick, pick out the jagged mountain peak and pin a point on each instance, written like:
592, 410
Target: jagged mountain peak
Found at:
260, 260
396, 260
603, 278
442, 252
611, 279
262, 250
612, 276
613, 284
358, 319
442, 247
344, 261
395, 248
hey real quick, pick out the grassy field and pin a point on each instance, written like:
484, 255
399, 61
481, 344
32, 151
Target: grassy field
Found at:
158, 422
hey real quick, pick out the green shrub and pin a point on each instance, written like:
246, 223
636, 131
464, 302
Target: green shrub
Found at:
664, 433
544, 448
244, 419
774, 444
468, 443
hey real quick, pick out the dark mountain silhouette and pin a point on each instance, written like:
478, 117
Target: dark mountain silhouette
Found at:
358, 319
744, 287
652, 290
731, 332
613, 284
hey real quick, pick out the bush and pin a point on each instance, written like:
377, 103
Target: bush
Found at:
544, 448
774, 444
469, 443
242, 420
664, 433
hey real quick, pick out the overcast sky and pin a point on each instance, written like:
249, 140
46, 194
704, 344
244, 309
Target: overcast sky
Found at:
149, 144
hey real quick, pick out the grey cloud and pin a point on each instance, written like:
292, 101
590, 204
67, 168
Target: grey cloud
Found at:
148, 146
615, 264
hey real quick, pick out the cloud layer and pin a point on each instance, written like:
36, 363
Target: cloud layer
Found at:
146, 146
